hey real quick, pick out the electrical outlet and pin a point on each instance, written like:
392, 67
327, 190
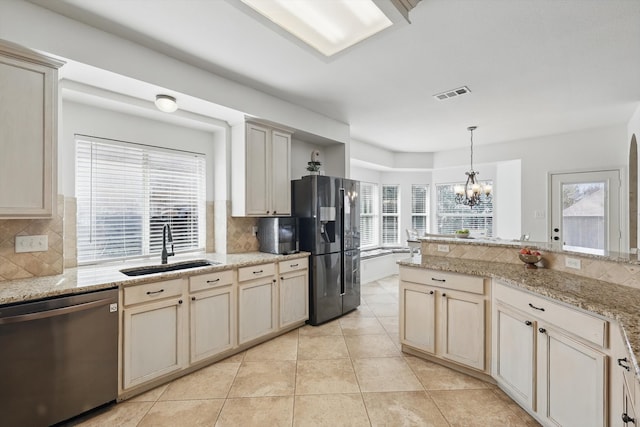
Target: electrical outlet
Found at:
443, 248
572, 263
32, 243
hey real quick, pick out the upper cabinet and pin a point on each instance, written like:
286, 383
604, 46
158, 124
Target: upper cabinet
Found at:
28, 119
261, 171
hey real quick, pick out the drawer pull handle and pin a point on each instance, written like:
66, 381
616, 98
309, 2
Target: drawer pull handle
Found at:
258, 272
623, 365
627, 419
528, 322
536, 308
213, 281
155, 292
542, 330
293, 265
438, 280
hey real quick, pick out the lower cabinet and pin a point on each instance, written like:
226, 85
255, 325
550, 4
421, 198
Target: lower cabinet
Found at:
624, 389
294, 291
550, 358
443, 320
154, 338
212, 315
257, 302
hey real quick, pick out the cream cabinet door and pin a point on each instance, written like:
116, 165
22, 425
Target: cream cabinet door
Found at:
28, 104
514, 353
462, 326
294, 298
153, 343
258, 165
418, 316
280, 173
571, 380
256, 309
212, 322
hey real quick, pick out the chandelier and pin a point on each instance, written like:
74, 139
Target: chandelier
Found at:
471, 193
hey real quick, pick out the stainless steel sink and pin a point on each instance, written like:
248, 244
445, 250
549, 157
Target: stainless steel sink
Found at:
163, 268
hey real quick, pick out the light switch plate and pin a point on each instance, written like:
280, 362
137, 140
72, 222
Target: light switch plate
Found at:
38, 243
572, 263
443, 248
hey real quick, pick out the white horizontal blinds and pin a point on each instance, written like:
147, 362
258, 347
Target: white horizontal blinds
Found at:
420, 208
127, 192
390, 220
452, 216
368, 214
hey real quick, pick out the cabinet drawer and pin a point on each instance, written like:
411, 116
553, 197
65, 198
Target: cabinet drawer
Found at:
209, 281
152, 291
256, 272
458, 282
293, 264
576, 322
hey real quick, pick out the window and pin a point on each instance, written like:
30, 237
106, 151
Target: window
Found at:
420, 208
452, 216
127, 192
368, 214
390, 219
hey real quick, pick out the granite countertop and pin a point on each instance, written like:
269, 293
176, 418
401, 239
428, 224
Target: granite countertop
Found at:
106, 276
617, 302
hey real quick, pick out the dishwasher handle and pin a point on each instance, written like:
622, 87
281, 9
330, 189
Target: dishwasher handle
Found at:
55, 312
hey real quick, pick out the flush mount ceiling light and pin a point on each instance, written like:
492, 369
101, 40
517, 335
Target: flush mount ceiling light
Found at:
327, 26
166, 103
471, 193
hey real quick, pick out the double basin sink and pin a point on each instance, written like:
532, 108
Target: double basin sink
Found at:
163, 268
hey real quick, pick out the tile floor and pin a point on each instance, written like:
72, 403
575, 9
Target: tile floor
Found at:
349, 372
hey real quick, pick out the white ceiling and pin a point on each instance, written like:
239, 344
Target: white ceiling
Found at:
534, 67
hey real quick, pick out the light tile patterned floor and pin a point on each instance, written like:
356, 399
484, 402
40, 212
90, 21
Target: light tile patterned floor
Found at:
349, 372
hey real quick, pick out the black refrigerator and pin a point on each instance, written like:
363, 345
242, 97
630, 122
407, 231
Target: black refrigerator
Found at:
328, 211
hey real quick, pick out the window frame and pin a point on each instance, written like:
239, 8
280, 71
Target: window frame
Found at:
374, 215
395, 215
427, 207
465, 213
151, 174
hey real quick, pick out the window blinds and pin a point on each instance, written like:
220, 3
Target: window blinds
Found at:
420, 208
368, 214
127, 192
390, 220
452, 216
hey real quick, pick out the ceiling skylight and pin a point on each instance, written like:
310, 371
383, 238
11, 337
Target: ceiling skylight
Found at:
327, 26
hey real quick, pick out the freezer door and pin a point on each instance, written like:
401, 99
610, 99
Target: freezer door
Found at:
351, 297
351, 209
324, 288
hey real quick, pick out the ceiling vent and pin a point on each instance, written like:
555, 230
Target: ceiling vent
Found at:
452, 93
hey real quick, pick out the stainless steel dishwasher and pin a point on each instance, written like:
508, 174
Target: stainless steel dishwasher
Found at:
58, 358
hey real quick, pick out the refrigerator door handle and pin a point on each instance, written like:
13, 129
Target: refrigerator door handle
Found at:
342, 288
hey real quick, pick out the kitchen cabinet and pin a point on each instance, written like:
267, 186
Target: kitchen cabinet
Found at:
28, 107
624, 388
261, 170
443, 314
550, 358
154, 331
294, 291
212, 312
257, 302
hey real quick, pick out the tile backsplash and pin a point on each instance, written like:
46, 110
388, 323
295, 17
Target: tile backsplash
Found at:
32, 264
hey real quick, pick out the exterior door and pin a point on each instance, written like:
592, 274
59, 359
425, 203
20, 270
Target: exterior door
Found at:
585, 211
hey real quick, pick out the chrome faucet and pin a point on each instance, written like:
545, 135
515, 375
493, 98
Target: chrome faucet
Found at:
166, 233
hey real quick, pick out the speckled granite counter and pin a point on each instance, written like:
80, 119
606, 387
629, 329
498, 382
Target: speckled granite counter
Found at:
91, 278
617, 302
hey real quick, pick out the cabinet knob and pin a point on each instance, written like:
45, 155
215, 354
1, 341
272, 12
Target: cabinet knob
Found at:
528, 322
179, 301
193, 298
627, 419
274, 280
444, 295
267, 212
625, 360
542, 330
274, 212
430, 292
